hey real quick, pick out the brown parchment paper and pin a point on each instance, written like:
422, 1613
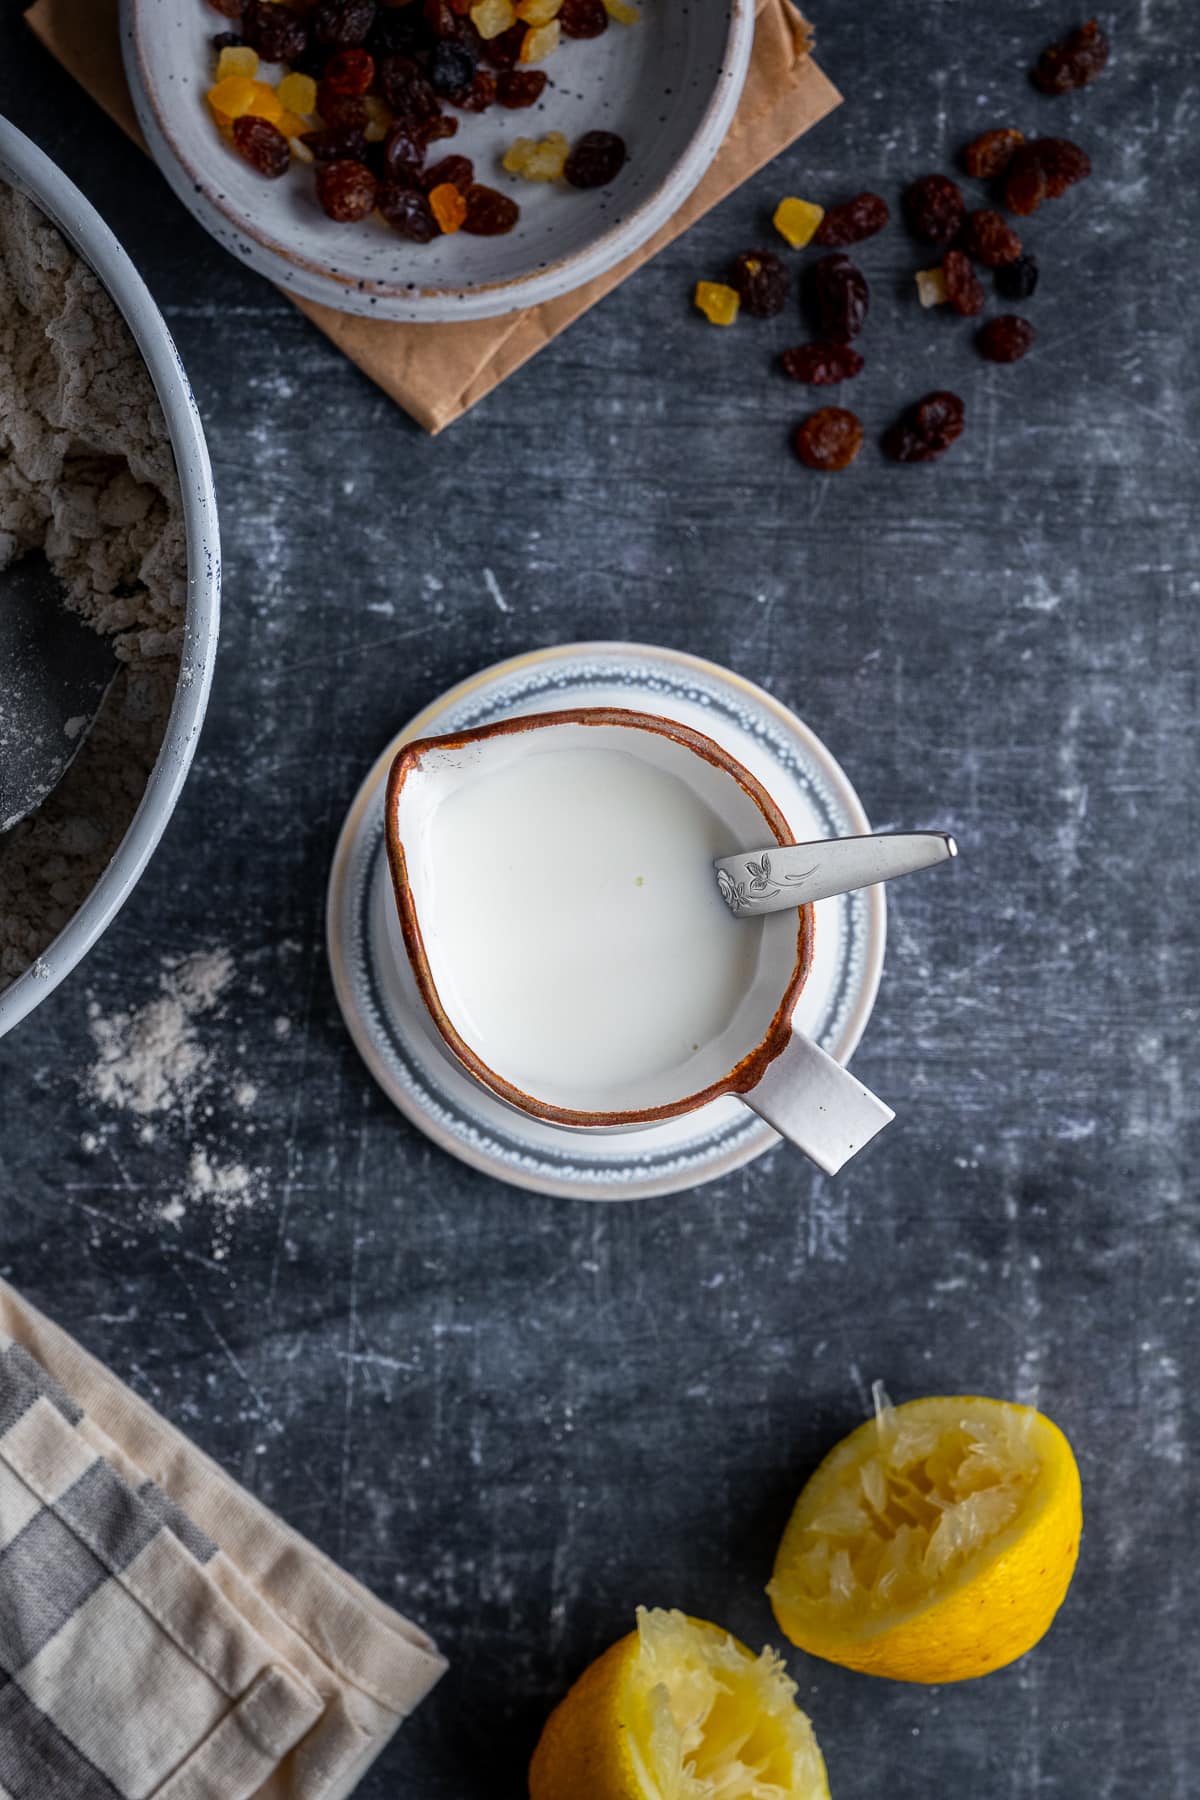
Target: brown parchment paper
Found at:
437, 372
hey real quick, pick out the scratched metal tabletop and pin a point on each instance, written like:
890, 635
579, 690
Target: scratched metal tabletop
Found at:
516, 1418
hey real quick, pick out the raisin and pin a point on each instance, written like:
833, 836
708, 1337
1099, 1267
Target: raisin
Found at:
1025, 182
262, 144
1018, 280
503, 51
430, 130
840, 297
597, 159
489, 212
852, 221
926, 429
228, 9
340, 143
583, 18
397, 31
963, 287
1005, 339
1074, 62
448, 207
989, 155
441, 18
934, 208
1063, 164
346, 190
403, 156
274, 31
347, 111
478, 95
989, 239
227, 40
405, 88
762, 282
821, 365
458, 169
521, 87
349, 72
451, 69
829, 439
407, 212
342, 24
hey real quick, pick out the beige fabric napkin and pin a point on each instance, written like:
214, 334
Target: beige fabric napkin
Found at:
437, 372
161, 1633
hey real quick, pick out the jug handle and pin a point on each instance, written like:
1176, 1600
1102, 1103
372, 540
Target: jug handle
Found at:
817, 1104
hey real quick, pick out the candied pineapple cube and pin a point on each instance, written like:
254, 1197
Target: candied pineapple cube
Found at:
491, 17
379, 118
538, 12
541, 159
541, 41
264, 102
623, 14
237, 59
298, 94
230, 98
931, 286
718, 303
797, 220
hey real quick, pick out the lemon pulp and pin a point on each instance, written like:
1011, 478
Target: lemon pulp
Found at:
708, 1720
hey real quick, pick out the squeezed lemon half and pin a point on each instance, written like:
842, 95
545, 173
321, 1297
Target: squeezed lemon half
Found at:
935, 1543
679, 1710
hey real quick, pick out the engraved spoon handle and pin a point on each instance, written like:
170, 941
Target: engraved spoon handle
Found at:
790, 875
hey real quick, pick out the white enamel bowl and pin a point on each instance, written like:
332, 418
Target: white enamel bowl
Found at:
24, 167
669, 85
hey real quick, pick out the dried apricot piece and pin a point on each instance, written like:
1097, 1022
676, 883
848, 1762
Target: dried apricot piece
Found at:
853, 221
829, 439
448, 207
1005, 339
990, 153
798, 220
718, 303
1078, 59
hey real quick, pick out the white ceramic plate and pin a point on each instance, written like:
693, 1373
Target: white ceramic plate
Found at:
398, 1041
669, 85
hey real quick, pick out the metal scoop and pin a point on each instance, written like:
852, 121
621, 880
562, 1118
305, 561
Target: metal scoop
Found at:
771, 880
54, 674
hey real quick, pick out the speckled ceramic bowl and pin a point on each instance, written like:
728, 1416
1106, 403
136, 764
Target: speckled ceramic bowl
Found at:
23, 166
669, 85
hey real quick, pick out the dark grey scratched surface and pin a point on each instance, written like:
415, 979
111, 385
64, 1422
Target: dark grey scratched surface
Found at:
517, 1418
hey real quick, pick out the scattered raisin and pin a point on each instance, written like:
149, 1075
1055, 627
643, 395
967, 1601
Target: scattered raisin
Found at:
989, 239
1074, 62
989, 155
441, 18
1017, 280
583, 18
349, 72
489, 212
821, 365
228, 9
1063, 164
262, 144
398, 30
852, 221
274, 30
963, 287
340, 143
1005, 339
458, 169
829, 439
451, 69
521, 87
840, 297
346, 190
503, 51
762, 282
227, 40
926, 429
403, 156
934, 208
432, 129
342, 24
597, 159
405, 88
407, 212
1025, 182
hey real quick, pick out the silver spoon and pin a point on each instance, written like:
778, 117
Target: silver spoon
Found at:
54, 674
786, 875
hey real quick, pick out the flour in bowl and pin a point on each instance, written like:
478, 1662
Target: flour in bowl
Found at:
87, 475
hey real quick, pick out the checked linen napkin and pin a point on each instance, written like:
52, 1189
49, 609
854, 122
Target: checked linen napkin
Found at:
151, 1651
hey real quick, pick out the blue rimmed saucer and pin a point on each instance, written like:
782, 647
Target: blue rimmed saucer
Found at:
394, 1034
